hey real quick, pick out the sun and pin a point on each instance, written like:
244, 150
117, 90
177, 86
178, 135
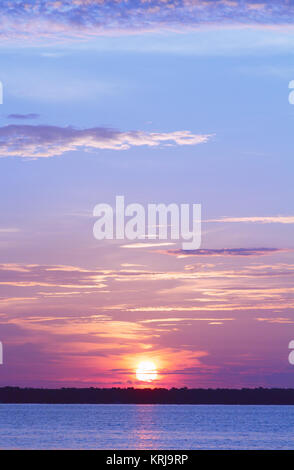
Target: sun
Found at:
146, 371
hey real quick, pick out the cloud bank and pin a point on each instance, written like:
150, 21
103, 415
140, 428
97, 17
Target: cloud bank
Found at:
48, 141
80, 18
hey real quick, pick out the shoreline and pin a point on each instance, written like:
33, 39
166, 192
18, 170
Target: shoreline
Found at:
147, 396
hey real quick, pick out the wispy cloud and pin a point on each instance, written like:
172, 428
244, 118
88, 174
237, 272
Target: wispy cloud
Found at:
280, 320
223, 252
48, 141
23, 117
9, 230
277, 219
146, 245
229, 306
50, 276
184, 319
76, 280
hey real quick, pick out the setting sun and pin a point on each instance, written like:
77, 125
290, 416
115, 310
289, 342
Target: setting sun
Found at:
146, 371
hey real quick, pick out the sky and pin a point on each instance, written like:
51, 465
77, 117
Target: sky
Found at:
164, 101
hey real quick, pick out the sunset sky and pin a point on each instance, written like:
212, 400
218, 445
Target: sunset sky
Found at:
161, 101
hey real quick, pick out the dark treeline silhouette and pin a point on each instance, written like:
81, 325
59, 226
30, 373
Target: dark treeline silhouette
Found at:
245, 396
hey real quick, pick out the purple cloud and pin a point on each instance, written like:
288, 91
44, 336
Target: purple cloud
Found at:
87, 17
223, 252
48, 141
23, 116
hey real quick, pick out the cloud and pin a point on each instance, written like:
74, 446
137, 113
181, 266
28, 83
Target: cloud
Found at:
223, 252
183, 319
9, 230
146, 245
216, 307
69, 281
280, 320
23, 116
50, 276
48, 141
277, 219
8, 301
47, 293
80, 18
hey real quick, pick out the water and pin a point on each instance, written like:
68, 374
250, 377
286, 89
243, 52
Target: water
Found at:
146, 427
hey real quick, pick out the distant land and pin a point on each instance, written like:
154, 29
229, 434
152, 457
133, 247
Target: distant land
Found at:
220, 396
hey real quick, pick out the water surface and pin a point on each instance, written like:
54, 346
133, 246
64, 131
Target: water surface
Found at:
146, 427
